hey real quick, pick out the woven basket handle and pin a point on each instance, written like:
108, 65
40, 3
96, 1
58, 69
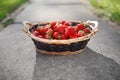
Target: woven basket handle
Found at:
93, 25
27, 26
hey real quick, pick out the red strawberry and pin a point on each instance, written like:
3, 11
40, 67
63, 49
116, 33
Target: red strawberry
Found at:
63, 36
75, 34
40, 36
44, 30
50, 31
38, 30
87, 30
65, 26
72, 36
80, 34
70, 30
67, 33
53, 24
56, 35
60, 29
55, 28
63, 22
36, 33
80, 27
67, 23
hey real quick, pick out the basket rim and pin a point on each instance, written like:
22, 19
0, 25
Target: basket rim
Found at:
68, 41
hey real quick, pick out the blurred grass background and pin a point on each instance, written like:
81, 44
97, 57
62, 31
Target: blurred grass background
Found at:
111, 8
8, 6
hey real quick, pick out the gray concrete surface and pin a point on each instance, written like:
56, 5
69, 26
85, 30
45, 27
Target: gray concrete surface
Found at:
19, 61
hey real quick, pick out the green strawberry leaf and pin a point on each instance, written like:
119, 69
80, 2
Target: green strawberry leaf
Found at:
40, 27
86, 25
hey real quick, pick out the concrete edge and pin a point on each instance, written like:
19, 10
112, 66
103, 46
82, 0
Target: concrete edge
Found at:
14, 14
17, 11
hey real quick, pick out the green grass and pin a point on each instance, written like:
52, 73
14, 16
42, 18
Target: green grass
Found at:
8, 6
111, 8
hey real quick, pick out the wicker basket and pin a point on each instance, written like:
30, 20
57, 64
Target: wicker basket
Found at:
59, 47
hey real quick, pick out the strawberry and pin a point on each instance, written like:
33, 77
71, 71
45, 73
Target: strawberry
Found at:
44, 30
80, 34
65, 26
36, 33
63, 22
53, 24
67, 33
70, 30
50, 31
56, 35
56, 27
63, 36
60, 29
73, 36
38, 30
67, 23
87, 30
80, 27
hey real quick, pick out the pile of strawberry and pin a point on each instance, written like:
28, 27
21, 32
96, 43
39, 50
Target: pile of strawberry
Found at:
62, 30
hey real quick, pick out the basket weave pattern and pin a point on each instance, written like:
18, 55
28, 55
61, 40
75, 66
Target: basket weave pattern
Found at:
60, 47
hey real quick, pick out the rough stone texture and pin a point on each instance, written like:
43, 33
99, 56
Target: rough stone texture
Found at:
17, 54
19, 61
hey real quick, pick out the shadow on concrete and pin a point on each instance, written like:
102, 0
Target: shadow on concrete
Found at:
88, 65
